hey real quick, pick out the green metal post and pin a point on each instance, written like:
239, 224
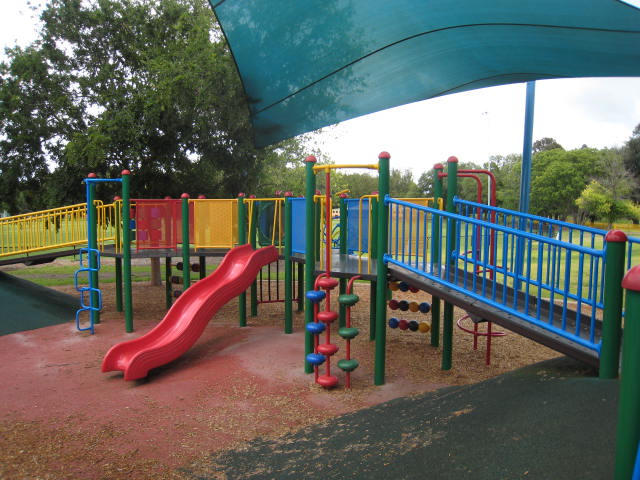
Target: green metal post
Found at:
447, 326
373, 205
118, 260
309, 255
381, 269
288, 266
436, 249
343, 251
202, 263
126, 251
186, 271
628, 434
300, 286
253, 234
92, 243
167, 282
612, 310
242, 239
119, 284
373, 289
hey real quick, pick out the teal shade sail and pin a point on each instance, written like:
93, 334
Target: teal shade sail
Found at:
306, 64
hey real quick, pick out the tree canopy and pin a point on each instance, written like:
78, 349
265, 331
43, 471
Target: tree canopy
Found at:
114, 84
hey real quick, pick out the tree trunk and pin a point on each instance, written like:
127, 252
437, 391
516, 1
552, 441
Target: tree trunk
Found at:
156, 277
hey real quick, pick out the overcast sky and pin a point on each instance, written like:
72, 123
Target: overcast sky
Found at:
471, 125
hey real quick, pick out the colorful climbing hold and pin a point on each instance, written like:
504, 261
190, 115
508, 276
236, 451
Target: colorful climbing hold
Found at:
315, 328
348, 299
425, 307
327, 316
327, 349
315, 359
316, 296
348, 365
424, 327
348, 333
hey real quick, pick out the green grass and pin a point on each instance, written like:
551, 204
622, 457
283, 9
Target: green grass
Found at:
62, 275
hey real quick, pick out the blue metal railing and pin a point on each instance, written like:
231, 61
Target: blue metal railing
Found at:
545, 282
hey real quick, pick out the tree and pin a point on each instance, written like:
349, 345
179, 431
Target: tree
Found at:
544, 144
113, 84
631, 156
598, 202
506, 169
557, 179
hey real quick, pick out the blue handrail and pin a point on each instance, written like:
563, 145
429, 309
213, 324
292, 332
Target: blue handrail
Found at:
568, 276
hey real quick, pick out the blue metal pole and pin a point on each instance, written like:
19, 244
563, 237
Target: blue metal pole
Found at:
525, 176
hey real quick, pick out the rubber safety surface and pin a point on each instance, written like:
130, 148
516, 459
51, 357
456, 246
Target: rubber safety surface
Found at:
550, 420
27, 306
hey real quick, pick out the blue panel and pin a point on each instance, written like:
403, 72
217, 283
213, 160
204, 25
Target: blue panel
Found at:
298, 216
353, 221
310, 63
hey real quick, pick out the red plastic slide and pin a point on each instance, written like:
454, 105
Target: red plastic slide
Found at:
187, 317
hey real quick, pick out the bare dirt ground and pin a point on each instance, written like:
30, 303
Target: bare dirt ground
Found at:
61, 418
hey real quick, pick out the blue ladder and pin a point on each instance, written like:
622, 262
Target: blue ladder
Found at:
91, 289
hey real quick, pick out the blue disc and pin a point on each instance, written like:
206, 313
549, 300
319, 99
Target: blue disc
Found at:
315, 359
316, 327
393, 322
316, 296
424, 307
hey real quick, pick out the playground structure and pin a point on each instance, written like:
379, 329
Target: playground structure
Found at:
555, 282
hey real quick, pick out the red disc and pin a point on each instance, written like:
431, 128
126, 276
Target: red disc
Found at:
403, 324
327, 381
327, 349
327, 283
327, 316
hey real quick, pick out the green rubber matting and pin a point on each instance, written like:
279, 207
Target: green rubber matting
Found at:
27, 306
553, 420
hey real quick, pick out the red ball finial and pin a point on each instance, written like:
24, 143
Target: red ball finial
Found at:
288, 194
252, 196
438, 166
116, 198
92, 175
318, 192
184, 195
631, 280
386, 155
310, 159
452, 159
201, 196
616, 236
278, 193
167, 197
126, 172
241, 195
343, 195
